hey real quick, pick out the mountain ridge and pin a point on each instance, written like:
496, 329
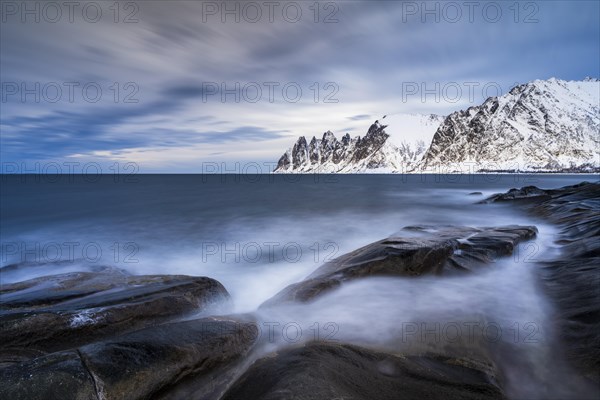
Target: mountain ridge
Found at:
541, 126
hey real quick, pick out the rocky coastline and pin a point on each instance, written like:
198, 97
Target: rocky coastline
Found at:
105, 334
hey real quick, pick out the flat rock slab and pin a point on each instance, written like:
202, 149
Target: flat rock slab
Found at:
425, 250
60, 312
331, 371
48, 290
148, 363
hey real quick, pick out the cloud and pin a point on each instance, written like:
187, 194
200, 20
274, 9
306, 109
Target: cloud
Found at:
185, 91
360, 117
372, 49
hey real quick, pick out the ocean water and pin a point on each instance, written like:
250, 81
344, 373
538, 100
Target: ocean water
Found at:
257, 234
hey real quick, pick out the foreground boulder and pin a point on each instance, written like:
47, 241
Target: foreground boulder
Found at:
149, 363
424, 250
64, 311
339, 371
572, 280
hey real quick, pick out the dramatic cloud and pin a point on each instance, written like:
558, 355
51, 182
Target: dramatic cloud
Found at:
169, 85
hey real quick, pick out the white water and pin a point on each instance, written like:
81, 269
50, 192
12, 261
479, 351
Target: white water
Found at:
499, 309
503, 299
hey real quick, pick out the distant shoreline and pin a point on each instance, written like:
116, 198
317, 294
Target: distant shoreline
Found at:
594, 173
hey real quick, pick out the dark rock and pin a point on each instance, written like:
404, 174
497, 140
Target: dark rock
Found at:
332, 371
574, 285
64, 311
312, 156
284, 162
547, 200
30, 267
139, 365
525, 193
373, 140
300, 152
52, 289
431, 250
56, 376
573, 279
475, 194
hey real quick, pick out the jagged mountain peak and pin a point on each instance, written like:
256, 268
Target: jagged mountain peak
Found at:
301, 141
329, 136
543, 125
376, 151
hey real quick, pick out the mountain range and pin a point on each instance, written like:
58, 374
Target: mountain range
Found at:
542, 126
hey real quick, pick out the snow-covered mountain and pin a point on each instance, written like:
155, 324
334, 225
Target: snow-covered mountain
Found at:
545, 125
394, 143
551, 125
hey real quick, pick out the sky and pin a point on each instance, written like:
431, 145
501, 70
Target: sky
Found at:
228, 86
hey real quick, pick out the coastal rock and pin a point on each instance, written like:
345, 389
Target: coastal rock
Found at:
60, 375
51, 289
64, 311
340, 371
425, 250
525, 193
573, 279
574, 287
148, 363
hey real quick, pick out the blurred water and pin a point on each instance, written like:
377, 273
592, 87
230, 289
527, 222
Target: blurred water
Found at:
254, 233
257, 234
499, 313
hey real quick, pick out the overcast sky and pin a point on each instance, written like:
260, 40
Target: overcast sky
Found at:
161, 67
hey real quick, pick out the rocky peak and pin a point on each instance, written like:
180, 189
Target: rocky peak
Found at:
346, 139
547, 125
541, 125
329, 137
372, 151
301, 142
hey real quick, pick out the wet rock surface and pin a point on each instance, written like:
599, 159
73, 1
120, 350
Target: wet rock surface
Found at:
148, 363
59, 312
59, 375
336, 371
572, 280
525, 193
424, 250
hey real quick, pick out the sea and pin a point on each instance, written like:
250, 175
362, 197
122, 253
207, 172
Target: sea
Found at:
256, 234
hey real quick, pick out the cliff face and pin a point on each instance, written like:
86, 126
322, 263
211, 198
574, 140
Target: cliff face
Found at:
543, 125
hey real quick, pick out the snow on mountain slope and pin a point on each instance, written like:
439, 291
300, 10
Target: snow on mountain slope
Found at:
551, 125
545, 125
395, 143
411, 128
